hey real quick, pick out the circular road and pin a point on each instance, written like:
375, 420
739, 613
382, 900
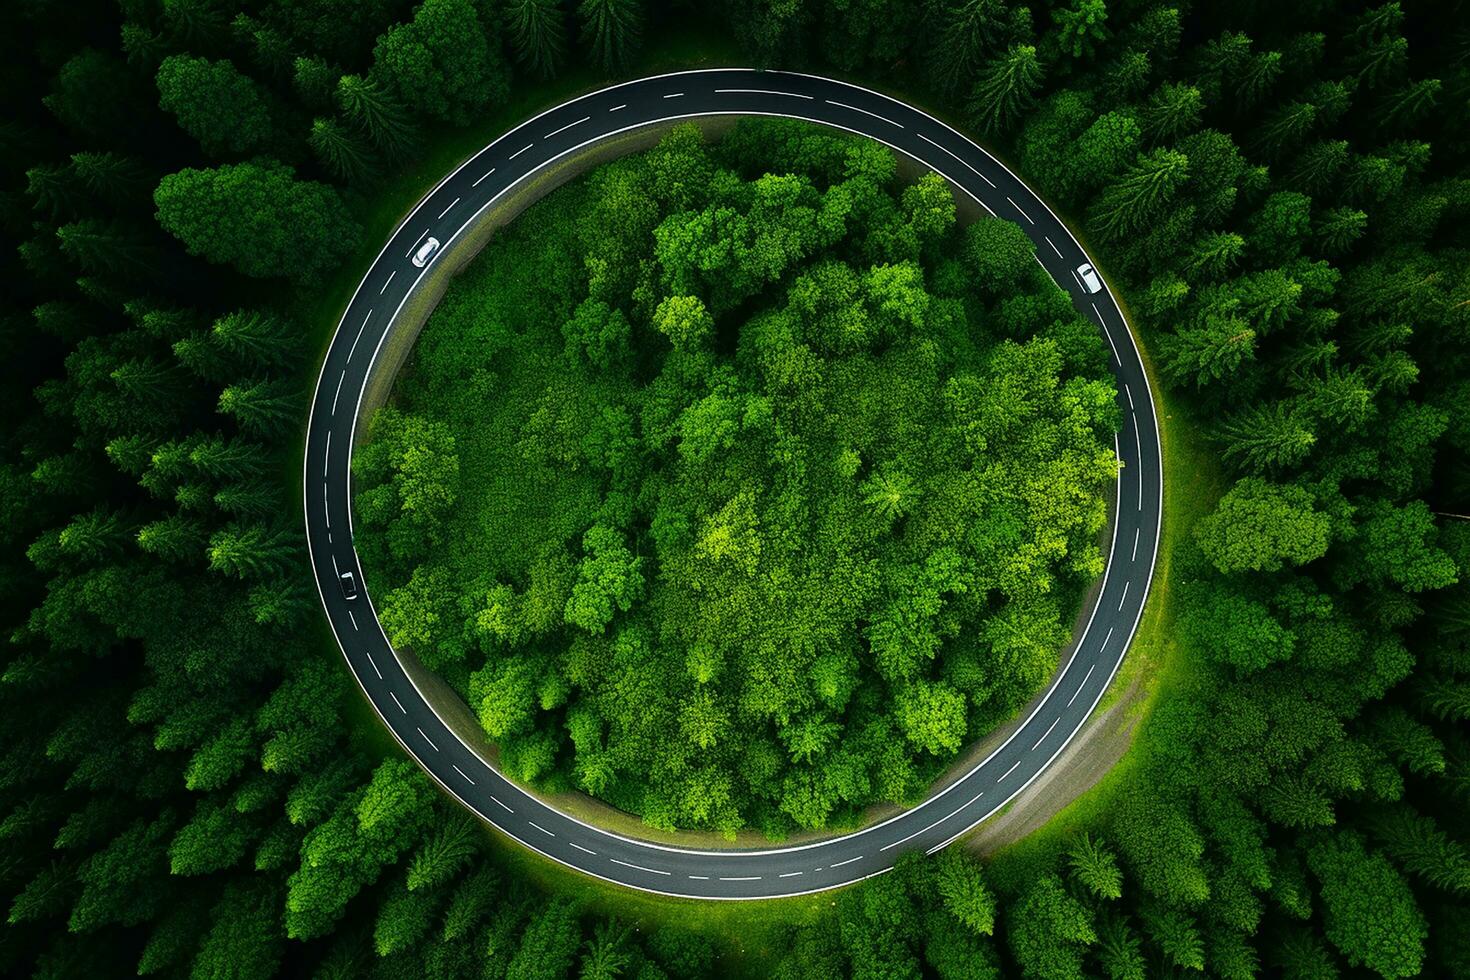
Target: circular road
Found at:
448, 213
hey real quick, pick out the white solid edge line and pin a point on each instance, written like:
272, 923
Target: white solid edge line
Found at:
761, 91
853, 108
1158, 439
649, 844
638, 867
1106, 573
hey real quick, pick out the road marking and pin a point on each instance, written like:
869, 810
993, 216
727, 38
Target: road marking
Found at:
745, 878
374, 663
1081, 686
429, 740
501, 805
389, 279
584, 850
339, 392
1129, 392
763, 91
359, 336
327, 514
401, 708
844, 105
329, 539
1107, 638
1136, 532
483, 176
638, 867
521, 150
700, 877
1053, 245
1048, 732
1138, 445
353, 618
326, 456
617, 107
1009, 771
1078, 280
791, 874
448, 209
415, 245
674, 95
966, 163
540, 828
1125, 596
459, 770
838, 864
1114, 346
566, 127
1019, 208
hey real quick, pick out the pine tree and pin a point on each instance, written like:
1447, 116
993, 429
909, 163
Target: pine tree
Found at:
1267, 437
443, 854
964, 31
251, 550
1006, 87
176, 538
1171, 112
539, 34
343, 153
378, 113
1133, 201
1095, 866
97, 246
228, 459
1422, 848
262, 337
262, 408
612, 30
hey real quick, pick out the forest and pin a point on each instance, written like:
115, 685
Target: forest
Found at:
752, 498
189, 785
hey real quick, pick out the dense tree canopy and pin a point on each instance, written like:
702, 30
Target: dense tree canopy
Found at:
1278, 193
784, 512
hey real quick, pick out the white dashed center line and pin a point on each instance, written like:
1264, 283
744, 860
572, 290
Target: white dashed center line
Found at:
1043, 738
388, 280
429, 740
1081, 686
501, 805
1053, 245
674, 95
791, 874
584, 850
359, 336
1009, 771
1136, 533
401, 708
448, 209
353, 618
339, 392
415, 244
967, 164
483, 176
746, 878
1125, 596
465, 775
540, 828
1020, 210
617, 107
838, 864
374, 663
521, 150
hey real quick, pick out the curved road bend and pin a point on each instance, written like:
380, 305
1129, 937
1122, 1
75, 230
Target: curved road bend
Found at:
447, 213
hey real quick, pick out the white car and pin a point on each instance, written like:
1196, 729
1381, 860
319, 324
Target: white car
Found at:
429, 247
349, 585
1088, 276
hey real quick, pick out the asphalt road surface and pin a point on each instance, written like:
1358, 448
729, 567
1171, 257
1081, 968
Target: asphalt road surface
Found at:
451, 210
